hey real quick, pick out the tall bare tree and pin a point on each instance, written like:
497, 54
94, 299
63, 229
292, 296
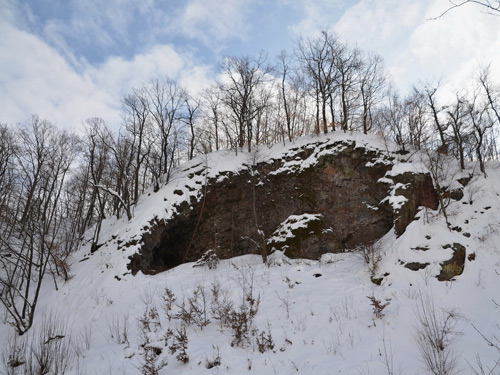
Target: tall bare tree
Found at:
317, 56
441, 126
372, 87
456, 114
166, 100
243, 78
43, 160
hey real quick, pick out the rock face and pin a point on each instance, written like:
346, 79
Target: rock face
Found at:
320, 198
418, 191
455, 265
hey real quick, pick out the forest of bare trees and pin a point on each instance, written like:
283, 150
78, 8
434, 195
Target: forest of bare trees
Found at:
55, 185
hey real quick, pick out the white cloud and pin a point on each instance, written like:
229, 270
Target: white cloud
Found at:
214, 21
317, 14
35, 78
102, 22
454, 45
379, 25
414, 47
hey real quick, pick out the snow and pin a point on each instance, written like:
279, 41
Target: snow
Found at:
402, 168
278, 258
317, 312
396, 201
287, 228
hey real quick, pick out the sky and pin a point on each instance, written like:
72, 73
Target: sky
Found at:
69, 60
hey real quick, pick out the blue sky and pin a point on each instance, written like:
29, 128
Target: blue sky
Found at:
68, 60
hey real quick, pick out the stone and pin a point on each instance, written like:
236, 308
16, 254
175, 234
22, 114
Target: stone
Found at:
415, 266
453, 266
239, 213
418, 191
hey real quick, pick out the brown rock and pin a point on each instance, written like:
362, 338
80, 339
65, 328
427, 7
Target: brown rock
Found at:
455, 265
238, 215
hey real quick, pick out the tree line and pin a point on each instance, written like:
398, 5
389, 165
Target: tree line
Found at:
56, 185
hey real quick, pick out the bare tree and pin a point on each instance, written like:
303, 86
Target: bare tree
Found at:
372, 86
8, 150
138, 125
392, 119
243, 79
192, 112
491, 95
34, 241
166, 99
291, 101
96, 167
348, 63
456, 114
317, 57
481, 121
284, 70
211, 112
416, 119
430, 95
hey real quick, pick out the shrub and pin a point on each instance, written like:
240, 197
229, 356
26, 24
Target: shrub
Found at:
265, 340
169, 299
152, 363
179, 344
241, 320
195, 311
434, 333
209, 259
378, 306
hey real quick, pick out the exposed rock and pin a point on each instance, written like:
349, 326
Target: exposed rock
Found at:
418, 190
338, 183
415, 266
294, 231
464, 181
421, 248
455, 265
455, 194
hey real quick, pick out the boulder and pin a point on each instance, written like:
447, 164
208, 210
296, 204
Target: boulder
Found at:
453, 266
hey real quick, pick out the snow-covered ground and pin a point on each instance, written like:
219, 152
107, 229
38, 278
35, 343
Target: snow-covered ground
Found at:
305, 317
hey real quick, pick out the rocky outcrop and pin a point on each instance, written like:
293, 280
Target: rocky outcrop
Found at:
319, 198
416, 190
455, 265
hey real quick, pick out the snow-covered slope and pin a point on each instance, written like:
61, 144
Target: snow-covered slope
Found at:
306, 317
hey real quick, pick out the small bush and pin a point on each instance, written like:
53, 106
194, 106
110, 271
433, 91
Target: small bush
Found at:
215, 361
179, 344
220, 305
14, 354
265, 340
378, 306
371, 255
209, 259
150, 320
50, 350
435, 331
169, 299
152, 363
195, 311
241, 320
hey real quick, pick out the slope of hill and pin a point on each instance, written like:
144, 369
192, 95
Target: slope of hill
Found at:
241, 316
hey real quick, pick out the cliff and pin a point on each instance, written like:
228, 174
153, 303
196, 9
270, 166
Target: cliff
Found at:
325, 195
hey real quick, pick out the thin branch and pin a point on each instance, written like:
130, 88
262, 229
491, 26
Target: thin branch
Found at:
493, 10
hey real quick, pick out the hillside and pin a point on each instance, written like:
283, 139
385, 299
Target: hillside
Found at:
321, 316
